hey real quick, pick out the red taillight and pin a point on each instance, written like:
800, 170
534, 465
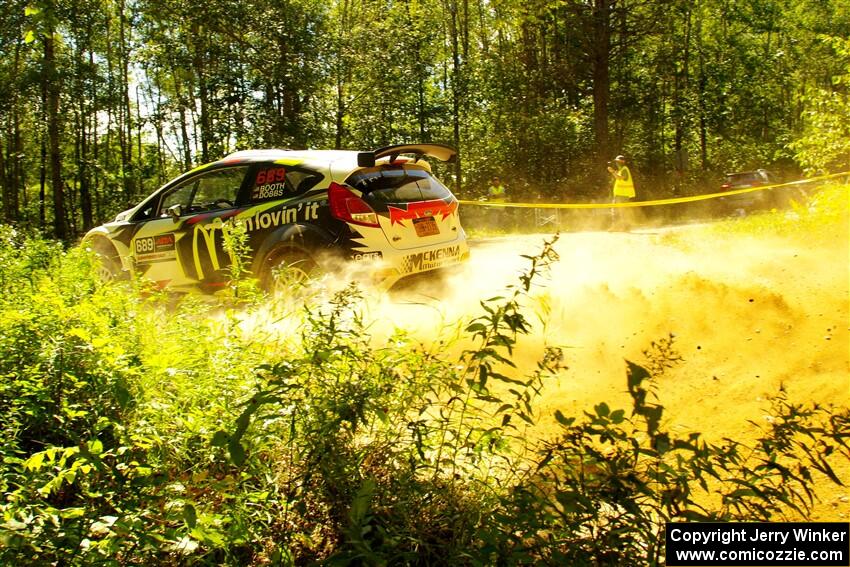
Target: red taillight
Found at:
725, 186
348, 207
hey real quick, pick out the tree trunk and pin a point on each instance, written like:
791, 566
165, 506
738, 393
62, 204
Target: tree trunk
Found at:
451, 6
5, 179
157, 124
85, 189
680, 93
340, 113
12, 167
82, 133
52, 89
420, 93
127, 130
97, 206
703, 123
184, 127
110, 88
42, 172
199, 65
19, 171
601, 52
140, 182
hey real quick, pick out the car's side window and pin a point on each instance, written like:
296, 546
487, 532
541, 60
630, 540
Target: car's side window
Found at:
182, 196
278, 182
302, 180
210, 191
218, 189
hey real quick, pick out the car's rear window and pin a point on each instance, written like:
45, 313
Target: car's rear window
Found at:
394, 184
745, 178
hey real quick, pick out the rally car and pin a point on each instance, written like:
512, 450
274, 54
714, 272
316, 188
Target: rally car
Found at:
302, 211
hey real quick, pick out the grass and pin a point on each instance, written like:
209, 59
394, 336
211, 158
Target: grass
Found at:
815, 216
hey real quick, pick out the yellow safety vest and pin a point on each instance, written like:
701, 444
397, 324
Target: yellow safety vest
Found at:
496, 194
623, 184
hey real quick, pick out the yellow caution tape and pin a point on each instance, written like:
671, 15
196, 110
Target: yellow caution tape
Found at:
650, 203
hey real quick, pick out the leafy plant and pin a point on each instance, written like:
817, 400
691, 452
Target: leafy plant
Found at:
601, 492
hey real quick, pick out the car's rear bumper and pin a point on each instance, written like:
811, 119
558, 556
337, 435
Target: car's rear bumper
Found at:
744, 200
393, 265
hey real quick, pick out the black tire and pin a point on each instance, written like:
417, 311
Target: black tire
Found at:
108, 267
287, 270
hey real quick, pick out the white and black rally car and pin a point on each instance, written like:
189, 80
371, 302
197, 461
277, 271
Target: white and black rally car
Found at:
302, 210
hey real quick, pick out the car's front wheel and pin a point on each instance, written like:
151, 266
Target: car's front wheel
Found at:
287, 270
108, 265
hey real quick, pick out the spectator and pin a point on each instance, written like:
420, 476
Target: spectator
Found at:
496, 193
623, 192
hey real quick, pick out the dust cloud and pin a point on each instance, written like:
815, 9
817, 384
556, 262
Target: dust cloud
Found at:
749, 316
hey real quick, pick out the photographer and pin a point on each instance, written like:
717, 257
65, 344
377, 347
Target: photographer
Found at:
623, 192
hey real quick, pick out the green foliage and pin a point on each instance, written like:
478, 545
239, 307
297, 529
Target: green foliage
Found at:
541, 93
235, 243
67, 379
825, 143
815, 213
601, 492
147, 429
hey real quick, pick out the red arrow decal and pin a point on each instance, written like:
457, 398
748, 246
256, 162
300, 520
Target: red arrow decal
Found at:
422, 209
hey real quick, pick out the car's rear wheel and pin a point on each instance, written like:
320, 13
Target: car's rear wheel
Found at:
287, 270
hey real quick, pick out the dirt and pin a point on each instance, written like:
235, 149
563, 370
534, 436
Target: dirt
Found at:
750, 316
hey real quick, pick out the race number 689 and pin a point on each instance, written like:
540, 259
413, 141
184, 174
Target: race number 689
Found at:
271, 176
144, 245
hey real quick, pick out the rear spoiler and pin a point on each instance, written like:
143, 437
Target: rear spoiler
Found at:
439, 151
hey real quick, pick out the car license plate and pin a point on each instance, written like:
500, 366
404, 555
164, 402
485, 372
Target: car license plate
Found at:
426, 226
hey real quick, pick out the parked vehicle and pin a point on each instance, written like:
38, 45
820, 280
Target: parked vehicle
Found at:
304, 212
751, 200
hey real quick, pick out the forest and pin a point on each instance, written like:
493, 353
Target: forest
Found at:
101, 101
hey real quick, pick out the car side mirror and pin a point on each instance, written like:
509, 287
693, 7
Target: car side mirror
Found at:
175, 211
